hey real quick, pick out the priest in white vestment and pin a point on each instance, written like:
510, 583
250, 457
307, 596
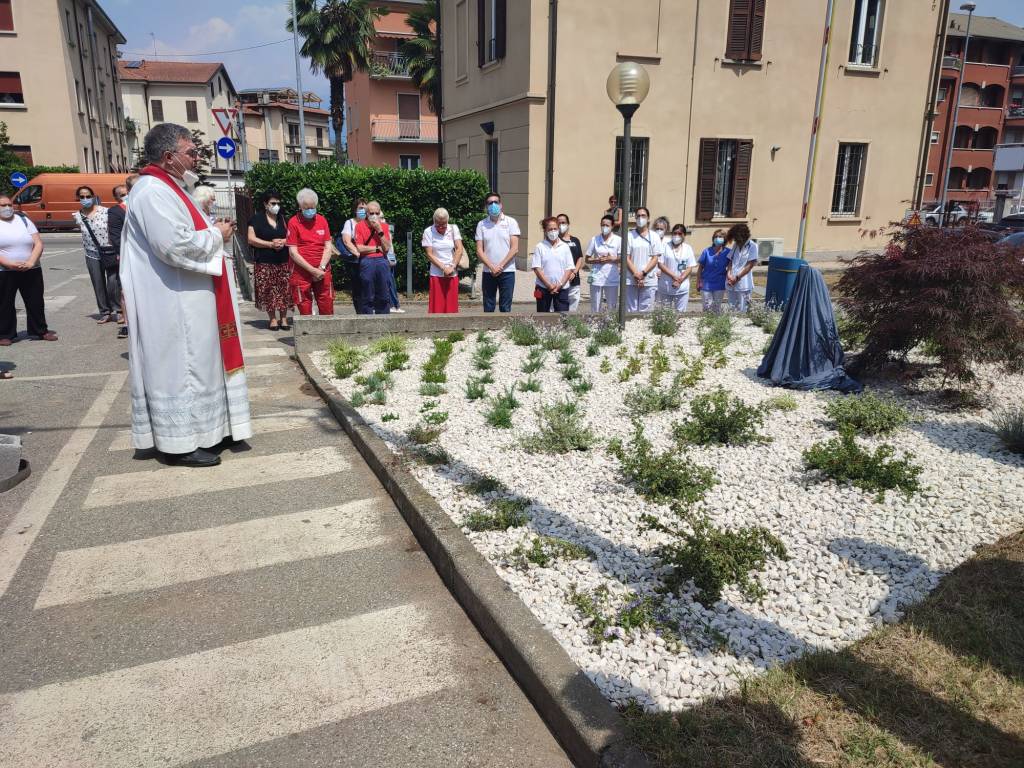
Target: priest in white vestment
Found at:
188, 384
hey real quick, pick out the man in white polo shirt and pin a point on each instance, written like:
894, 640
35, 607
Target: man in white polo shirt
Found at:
497, 243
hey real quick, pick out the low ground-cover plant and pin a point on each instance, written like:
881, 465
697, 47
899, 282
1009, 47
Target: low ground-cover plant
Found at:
784, 403
844, 461
663, 476
486, 350
433, 455
395, 361
435, 418
659, 363
765, 317
422, 433
530, 384
484, 484
575, 326
713, 558
581, 386
644, 614
545, 550
428, 389
606, 365
719, 418
573, 371
644, 400
534, 361
664, 321
555, 341
476, 389
456, 336
634, 365
1009, 426
500, 515
387, 345
593, 348
499, 415
866, 414
434, 367
561, 429
715, 332
345, 359
606, 332
389, 417
428, 405
373, 390
523, 333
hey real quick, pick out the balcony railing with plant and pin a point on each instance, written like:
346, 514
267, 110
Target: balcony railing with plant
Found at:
383, 64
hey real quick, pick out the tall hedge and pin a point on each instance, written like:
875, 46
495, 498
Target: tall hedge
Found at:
408, 200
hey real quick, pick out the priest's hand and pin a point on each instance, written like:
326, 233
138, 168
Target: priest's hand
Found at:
227, 229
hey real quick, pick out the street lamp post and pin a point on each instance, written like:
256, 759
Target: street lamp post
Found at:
628, 85
951, 138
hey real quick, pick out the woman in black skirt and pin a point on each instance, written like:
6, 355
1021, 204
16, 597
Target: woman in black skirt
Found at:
267, 233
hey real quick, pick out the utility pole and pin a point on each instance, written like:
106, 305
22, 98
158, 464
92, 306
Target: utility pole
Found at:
951, 133
298, 81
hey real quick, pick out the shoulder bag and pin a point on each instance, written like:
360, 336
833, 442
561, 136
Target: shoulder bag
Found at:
108, 254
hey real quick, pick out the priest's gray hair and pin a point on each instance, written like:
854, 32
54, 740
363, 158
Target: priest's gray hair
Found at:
307, 195
163, 138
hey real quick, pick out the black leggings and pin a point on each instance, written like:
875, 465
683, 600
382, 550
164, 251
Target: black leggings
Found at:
29, 283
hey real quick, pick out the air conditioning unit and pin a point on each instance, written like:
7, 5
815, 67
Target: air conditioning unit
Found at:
768, 247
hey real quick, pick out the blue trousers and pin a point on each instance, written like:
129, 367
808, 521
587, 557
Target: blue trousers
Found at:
393, 288
503, 287
374, 286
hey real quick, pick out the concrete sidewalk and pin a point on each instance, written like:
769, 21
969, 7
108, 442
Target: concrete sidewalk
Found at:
275, 610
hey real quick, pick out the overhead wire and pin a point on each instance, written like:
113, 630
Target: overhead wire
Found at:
207, 53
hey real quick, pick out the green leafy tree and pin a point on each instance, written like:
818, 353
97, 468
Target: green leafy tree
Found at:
206, 151
337, 36
423, 56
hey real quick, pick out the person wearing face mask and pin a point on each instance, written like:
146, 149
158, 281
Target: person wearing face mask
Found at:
350, 252
115, 227
662, 226
645, 248
268, 238
577, 259
187, 373
442, 243
497, 243
742, 260
711, 270
20, 250
373, 238
615, 212
553, 265
603, 255
100, 257
309, 248
675, 266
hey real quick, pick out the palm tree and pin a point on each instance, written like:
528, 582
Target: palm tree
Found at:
423, 58
337, 37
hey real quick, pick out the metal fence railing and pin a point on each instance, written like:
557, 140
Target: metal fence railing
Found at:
390, 129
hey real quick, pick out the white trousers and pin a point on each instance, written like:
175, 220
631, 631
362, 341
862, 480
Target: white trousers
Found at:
606, 295
712, 301
739, 300
574, 298
639, 298
678, 301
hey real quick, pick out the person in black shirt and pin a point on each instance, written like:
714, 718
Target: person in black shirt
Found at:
267, 234
577, 259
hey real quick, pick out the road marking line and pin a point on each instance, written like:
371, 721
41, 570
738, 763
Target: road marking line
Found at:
16, 541
206, 704
68, 376
62, 283
265, 369
52, 303
171, 482
261, 425
266, 352
134, 566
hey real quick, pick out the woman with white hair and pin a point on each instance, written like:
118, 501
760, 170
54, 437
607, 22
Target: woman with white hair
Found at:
206, 196
309, 246
373, 239
443, 245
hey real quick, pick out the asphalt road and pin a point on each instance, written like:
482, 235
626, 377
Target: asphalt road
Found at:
273, 611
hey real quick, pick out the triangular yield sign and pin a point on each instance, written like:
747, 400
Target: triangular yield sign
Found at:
225, 119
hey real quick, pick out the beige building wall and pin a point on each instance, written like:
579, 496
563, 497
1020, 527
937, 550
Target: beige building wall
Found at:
72, 106
694, 94
269, 130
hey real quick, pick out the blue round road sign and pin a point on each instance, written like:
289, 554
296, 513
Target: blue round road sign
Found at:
18, 179
226, 148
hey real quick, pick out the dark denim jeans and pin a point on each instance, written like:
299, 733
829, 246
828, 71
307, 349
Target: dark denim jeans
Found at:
503, 286
374, 288
553, 302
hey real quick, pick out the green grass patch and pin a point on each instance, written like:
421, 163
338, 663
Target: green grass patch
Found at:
430, 389
500, 515
529, 384
345, 359
387, 345
784, 403
844, 461
545, 550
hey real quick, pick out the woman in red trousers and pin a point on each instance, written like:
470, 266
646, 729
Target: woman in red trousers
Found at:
443, 245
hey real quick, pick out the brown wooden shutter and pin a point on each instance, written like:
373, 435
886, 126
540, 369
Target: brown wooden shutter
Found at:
756, 30
481, 34
737, 40
741, 179
706, 173
501, 28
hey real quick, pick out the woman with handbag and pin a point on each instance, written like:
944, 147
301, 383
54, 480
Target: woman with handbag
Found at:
442, 243
100, 256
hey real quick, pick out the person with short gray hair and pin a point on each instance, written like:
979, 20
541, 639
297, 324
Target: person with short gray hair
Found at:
206, 196
307, 195
309, 246
442, 243
163, 140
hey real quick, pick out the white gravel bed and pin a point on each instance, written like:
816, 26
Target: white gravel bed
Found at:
854, 563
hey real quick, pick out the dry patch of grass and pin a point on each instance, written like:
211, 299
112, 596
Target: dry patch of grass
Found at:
942, 689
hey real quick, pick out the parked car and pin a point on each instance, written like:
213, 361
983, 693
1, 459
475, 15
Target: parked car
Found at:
1016, 240
1010, 224
934, 216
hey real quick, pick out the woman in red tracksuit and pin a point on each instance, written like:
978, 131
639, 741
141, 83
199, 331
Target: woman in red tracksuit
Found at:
309, 245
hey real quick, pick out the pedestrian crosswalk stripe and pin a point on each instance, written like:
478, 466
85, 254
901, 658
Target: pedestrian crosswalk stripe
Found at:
206, 704
170, 482
265, 369
51, 303
263, 425
133, 566
266, 352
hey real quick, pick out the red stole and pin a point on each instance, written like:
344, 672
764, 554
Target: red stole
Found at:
230, 344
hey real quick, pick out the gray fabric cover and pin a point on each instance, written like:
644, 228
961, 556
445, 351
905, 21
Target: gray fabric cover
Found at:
805, 352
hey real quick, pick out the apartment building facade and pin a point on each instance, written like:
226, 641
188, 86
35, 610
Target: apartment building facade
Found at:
182, 92
59, 92
271, 121
388, 121
723, 135
988, 139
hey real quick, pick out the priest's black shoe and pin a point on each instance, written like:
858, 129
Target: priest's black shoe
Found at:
198, 458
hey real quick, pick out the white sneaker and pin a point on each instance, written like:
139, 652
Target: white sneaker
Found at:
398, 311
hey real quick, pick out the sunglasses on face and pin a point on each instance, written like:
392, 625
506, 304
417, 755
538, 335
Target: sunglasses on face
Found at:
85, 197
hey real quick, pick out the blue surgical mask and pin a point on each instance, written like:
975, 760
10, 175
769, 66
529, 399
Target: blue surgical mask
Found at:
87, 202
719, 241
309, 213
494, 209
360, 213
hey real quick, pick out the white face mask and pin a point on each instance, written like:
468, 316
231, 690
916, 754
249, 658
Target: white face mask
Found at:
188, 178
606, 230
552, 235
563, 228
677, 239
275, 209
661, 232
6, 212
641, 222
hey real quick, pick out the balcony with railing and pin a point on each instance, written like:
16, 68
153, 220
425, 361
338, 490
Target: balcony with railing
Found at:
1015, 115
385, 65
1009, 157
1018, 71
389, 129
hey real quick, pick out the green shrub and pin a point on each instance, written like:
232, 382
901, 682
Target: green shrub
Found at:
718, 418
659, 363
389, 417
456, 336
499, 415
846, 462
593, 348
633, 366
664, 321
572, 372
566, 357
606, 365
664, 476
529, 385
435, 418
484, 484
784, 403
421, 434
357, 400
575, 326
486, 350
428, 405
1009, 426
581, 386
562, 429
713, 558
376, 397
475, 389
389, 345
646, 399
433, 455
395, 361
345, 359
852, 334
500, 515
433, 368
606, 332
534, 361
765, 317
523, 333
545, 550
866, 414
428, 389
554, 341
715, 333
691, 372
408, 199
378, 380
434, 376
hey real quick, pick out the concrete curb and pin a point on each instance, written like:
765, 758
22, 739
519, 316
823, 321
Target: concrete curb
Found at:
587, 726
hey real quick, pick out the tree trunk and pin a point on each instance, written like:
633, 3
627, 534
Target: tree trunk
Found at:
337, 86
